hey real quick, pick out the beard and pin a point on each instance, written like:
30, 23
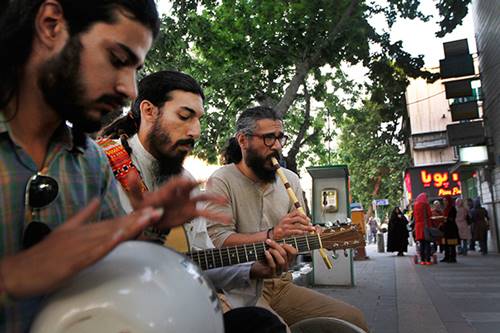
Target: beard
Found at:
168, 163
63, 90
257, 164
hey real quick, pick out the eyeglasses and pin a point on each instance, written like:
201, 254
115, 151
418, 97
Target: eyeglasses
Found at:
270, 139
40, 192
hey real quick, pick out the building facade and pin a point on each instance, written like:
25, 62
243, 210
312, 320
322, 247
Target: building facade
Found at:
438, 166
486, 16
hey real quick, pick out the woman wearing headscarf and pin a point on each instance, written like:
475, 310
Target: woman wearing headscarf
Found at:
437, 220
397, 238
480, 224
462, 221
422, 216
450, 231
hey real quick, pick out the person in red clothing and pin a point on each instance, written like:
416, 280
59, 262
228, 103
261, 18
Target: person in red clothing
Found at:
422, 214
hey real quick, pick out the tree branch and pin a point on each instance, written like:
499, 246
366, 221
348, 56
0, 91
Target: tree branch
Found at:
294, 150
302, 68
310, 137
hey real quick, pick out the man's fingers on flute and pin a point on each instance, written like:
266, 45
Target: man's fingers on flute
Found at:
299, 219
299, 226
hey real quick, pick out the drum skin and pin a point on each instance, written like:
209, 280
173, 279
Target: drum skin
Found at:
138, 287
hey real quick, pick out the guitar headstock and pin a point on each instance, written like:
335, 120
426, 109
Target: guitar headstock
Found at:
343, 237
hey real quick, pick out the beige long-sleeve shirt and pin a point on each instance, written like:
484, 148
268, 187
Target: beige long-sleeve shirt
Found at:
252, 207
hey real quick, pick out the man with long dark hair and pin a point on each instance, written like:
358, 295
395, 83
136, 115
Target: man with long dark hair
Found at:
67, 61
156, 135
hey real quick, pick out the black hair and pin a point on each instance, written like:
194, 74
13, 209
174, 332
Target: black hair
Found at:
156, 89
17, 26
246, 124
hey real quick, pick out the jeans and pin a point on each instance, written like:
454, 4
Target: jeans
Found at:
425, 250
463, 247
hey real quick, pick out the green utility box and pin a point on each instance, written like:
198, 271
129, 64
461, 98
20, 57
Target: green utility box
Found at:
330, 205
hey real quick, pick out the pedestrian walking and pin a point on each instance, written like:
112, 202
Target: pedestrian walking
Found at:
470, 205
437, 220
450, 230
397, 238
372, 226
463, 222
422, 214
408, 213
481, 225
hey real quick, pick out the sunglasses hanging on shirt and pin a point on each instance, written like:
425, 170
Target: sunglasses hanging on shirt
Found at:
40, 192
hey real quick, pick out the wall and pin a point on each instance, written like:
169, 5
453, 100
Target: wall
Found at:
428, 111
486, 16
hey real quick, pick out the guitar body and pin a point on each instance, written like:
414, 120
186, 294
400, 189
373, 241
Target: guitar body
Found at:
177, 240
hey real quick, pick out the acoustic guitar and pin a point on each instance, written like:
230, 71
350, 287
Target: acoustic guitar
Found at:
336, 238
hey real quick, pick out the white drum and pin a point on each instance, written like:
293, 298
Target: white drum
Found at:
138, 287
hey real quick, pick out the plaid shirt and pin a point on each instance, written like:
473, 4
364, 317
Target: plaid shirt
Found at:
81, 174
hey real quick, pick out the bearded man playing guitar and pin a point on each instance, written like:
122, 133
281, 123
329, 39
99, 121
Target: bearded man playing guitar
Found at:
261, 210
153, 140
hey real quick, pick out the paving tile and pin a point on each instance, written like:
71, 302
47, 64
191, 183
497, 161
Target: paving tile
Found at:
473, 294
486, 327
482, 317
398, 296
460, 328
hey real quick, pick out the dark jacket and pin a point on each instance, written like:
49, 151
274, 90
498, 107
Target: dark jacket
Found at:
480, 224
449, 227
397, 238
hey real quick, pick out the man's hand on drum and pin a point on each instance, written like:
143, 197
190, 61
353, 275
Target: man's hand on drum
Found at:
278, 260
294, 223
178, 204
69, 249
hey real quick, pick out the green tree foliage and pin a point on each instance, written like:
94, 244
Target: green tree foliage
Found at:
288, 54
375, 160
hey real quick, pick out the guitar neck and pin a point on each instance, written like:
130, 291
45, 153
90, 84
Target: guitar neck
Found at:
233, 255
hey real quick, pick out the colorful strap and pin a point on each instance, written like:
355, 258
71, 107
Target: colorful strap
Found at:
121, 164
120, 161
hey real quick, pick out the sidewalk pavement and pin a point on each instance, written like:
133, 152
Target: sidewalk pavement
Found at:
398, 296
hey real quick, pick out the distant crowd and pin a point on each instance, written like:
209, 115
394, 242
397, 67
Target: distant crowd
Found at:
451, 227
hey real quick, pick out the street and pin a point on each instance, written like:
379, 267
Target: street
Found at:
399, 296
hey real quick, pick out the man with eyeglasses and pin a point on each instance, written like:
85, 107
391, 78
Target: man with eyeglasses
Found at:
261, 210
68, 61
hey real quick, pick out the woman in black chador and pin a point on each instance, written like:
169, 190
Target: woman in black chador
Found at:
397, 239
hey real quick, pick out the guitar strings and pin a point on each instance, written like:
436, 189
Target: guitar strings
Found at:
249, 252
246, 250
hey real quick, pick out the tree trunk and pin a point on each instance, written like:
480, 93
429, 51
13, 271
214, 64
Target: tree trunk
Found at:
375, 191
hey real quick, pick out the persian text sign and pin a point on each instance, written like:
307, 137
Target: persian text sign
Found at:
436, 181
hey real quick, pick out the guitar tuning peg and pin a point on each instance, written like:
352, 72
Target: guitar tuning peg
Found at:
334, 255
345, 253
